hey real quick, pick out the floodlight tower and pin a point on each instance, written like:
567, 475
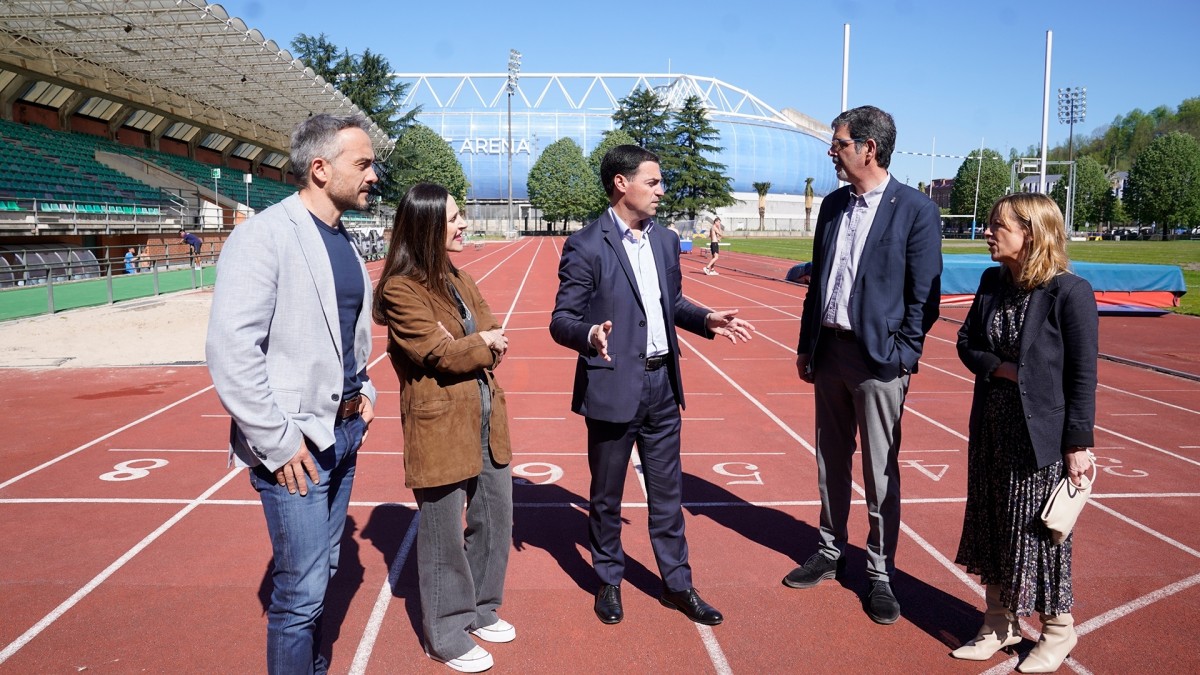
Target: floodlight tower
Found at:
1072, 108
514, 71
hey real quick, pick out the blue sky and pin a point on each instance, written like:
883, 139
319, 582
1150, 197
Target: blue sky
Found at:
955, 71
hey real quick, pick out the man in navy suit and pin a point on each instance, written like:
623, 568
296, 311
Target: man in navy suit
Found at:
874, 293
619, 302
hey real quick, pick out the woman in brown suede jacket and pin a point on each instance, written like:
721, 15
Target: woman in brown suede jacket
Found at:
444, 344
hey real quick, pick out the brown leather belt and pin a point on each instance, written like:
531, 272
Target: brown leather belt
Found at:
656, 362
348, 407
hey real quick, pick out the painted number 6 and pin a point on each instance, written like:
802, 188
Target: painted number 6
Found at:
754, 477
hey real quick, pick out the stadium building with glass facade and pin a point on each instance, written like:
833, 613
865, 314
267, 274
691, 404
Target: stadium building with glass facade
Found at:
759, 143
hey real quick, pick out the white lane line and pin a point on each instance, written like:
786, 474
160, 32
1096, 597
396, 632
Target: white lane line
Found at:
912, 501
521, 288
167, 450
105, 437
92, 585
707, 637
1123, 437
1149, 530
366, 644
1152, 400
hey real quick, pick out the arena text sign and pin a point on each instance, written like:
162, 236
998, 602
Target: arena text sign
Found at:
489, 146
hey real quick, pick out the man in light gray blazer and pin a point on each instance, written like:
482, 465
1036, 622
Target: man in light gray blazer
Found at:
289, 340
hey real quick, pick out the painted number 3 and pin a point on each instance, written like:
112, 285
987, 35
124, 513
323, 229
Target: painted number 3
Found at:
133, 469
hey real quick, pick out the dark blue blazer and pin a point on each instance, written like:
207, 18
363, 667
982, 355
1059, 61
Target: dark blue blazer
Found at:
897, 287
1057, 370
596, 284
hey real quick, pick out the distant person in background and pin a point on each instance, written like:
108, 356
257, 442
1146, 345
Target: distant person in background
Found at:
289, 340
444, 343
1031, 338
194, 245
715, 234
130, 261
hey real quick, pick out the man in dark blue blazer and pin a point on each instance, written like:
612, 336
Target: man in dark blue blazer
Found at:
619, 302
874, 293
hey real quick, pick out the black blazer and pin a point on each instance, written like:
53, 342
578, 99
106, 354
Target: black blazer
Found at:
1057, 368
897, 287
596, 284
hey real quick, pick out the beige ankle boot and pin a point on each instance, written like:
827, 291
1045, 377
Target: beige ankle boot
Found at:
999, 630
1058, 639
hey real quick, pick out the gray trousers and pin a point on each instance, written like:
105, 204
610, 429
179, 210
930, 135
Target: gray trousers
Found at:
849, 400
461, 572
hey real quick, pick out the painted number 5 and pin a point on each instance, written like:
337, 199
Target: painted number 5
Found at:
752, 478
551, 472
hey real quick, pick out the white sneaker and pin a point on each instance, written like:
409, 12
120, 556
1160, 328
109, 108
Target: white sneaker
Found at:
714, 273
707, 271
501, 631
475, 661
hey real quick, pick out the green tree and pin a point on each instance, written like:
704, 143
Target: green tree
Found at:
364, 78
609, 140
992, 176
1092, 192
560, 183
644, 116
1164, 183
422, 155
694, 183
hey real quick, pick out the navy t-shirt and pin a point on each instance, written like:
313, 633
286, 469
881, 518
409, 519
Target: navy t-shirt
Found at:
348, 282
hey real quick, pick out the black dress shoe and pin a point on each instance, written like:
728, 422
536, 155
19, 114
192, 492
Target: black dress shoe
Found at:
816, 569
692, 606
608, 604
882, 605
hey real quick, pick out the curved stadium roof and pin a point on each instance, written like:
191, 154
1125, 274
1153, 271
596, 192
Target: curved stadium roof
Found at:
185, 59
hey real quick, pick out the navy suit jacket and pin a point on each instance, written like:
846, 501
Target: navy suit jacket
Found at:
897, 286
1057, 368
596, 284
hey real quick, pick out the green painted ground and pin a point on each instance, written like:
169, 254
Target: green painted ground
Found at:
33, 300
1184, 254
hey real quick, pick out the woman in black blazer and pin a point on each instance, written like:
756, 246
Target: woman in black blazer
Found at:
1031, 340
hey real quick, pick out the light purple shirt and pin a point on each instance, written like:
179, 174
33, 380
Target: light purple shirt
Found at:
853, 228
645, 272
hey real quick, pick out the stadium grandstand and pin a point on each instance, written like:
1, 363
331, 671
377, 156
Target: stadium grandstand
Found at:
124, 123
759, 142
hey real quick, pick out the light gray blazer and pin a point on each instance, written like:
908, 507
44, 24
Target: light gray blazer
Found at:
274, 345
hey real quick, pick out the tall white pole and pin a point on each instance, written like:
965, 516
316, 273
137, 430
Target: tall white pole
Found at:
978, 175
932, 159
1046, 110
845, 63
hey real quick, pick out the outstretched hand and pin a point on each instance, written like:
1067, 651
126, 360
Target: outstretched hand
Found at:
598, 339
726, 324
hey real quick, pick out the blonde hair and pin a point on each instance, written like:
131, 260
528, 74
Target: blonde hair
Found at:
1045, 254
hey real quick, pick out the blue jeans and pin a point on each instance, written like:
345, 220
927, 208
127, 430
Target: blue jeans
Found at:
306, 535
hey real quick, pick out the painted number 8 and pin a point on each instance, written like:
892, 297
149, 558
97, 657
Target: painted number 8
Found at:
130, 471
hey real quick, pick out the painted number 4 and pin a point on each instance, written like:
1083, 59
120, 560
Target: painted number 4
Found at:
133, 469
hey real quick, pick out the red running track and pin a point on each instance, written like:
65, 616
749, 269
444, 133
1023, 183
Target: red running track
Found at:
128, 546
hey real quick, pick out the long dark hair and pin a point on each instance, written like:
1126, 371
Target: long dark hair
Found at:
418, 245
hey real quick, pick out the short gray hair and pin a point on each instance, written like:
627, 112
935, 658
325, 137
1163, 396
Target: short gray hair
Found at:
317, 137
870, 122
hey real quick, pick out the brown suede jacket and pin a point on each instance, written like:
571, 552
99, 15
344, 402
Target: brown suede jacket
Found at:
439, 394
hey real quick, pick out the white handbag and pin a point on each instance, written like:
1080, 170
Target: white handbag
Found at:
1065, 502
